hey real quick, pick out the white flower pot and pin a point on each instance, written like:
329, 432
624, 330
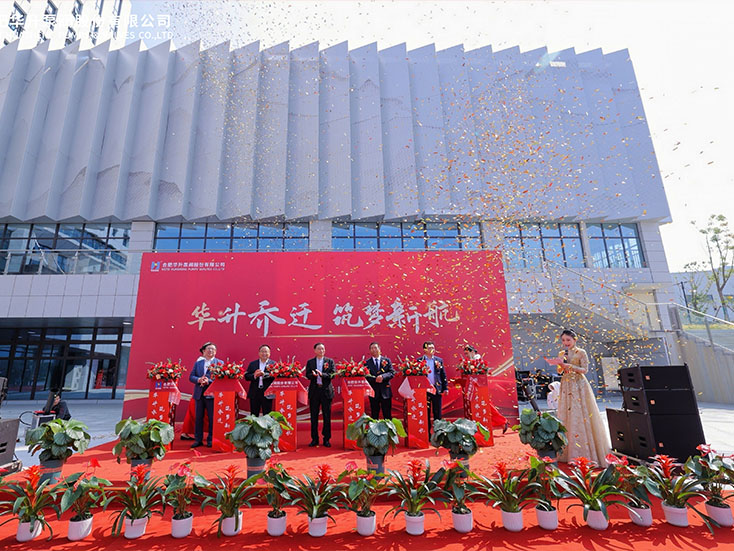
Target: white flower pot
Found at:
79, 529
366, 526
317, 526
414, 525
677, 516
722, 515
180, 528
597, 520
463, 522
231, 526
277, 525
512, 521
547, 520
24, 532
641, 517
135, 528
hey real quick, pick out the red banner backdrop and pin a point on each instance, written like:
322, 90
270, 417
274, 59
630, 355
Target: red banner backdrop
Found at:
291, 300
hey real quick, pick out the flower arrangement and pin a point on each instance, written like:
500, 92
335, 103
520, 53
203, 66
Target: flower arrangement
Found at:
631, 481
364, 488
29, 499
168, 370
227, 370
474, 367
277, 496
543, 473
316, 496
418, 490
711, 469
227, 495
676, 490
457, 489
352, 368
179, 488
507, 489
84, 492
139, 500
286, 369
413, 367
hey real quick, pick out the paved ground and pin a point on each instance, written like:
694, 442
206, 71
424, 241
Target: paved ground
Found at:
101, 417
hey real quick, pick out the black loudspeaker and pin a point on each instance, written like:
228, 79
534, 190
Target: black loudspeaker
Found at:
656, 377
673, 435
8, 436
620, 432
660, 402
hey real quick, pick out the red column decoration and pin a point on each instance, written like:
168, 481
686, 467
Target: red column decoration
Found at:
476, 395
289, 392
354, 390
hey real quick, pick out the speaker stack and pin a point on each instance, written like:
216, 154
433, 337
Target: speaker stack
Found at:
659, 415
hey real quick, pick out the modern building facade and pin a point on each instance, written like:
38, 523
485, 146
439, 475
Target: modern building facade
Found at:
547, 156
63, 22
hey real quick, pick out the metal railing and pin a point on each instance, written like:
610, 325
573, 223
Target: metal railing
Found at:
717, 331
69, 261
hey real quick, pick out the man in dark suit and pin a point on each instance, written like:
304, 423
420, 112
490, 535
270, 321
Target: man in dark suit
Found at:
319, 371
260, 379
437, 376
382, 371
201, 379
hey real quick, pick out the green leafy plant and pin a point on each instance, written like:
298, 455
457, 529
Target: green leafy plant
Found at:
459, 437
30, 499
227, 495
544, 432
141, 499
631, 481
543, 474
58, 439
317, 496
278, 484
374, 436
458, 490
510, 490
416, 490
363, 489
711, 470
83, 492
146, 440
258, 437
179, 488
596, 490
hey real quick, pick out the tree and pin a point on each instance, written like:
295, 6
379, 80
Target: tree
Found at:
719, 240
698, 286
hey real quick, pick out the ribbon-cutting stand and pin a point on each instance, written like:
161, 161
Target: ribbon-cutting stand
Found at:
163, 397
476, 396
225, 392
288, 393
354, 390
414, 389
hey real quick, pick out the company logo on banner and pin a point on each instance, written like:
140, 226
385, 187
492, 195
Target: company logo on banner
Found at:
346, 300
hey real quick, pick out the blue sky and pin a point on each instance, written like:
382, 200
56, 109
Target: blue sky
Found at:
679, 49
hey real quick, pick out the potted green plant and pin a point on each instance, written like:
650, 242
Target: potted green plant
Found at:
458, 437
363, 489
258, 438
57, 440
228, 495
179, 488
277, 495
29, 501
675, 490
595, 489
316, 496
543, 473
82, 493
508, 489
711, 469
138, 501
631, 480
544, 432
376, 437
458, 492
142, 442
419, 490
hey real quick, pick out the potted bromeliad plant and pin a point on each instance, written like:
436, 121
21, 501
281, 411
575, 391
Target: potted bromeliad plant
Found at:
544, 432
142, 442
258, 437
376, 437
57, 440
141, 499
595, 489
83, 493
508, 489
362, 491
631, 480
29, 500
713, 470
228, 495
277, 495
316, 496
458, 437
665, 480
418, 490
458, 491
179, 488
543, 473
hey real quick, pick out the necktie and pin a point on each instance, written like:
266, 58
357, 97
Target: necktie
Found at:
260, 378
319, 369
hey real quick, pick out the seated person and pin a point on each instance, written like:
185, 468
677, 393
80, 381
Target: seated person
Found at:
58, 407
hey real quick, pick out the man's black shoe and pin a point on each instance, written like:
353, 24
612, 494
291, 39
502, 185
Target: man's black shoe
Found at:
327, 444
196, 444
313, 444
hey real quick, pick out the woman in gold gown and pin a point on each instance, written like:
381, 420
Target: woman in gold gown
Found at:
577, 409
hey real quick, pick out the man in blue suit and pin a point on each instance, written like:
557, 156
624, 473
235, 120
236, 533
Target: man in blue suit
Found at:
437, 376
382, 372
261, 401
201, 379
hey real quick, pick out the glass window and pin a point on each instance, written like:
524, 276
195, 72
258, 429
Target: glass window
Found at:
616, 246
193, 230
218, 244
296, 230
434, 229
389, 230
269, 244
244, 244
244, 230
574, 256
341, 229
569, 230
390, 243
218, 230
598, 253
192, 244
470, 229
167, 230
634, 254
629, 230
593, 230
342, 244
271, 230
442, 243
471, 244
295, 244
365, 230
530, 230
550, 230
611, 230
553, 250
43, 236
166, 244
365, 244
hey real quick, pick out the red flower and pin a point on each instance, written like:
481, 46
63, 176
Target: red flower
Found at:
33, 475
583, 464
415, 469
614, 460
324, 473
351, 466
666, 463
94, 463
139, 472
705, 449
500, 469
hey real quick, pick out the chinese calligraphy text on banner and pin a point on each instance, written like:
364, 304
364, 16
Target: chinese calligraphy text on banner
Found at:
291, 300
